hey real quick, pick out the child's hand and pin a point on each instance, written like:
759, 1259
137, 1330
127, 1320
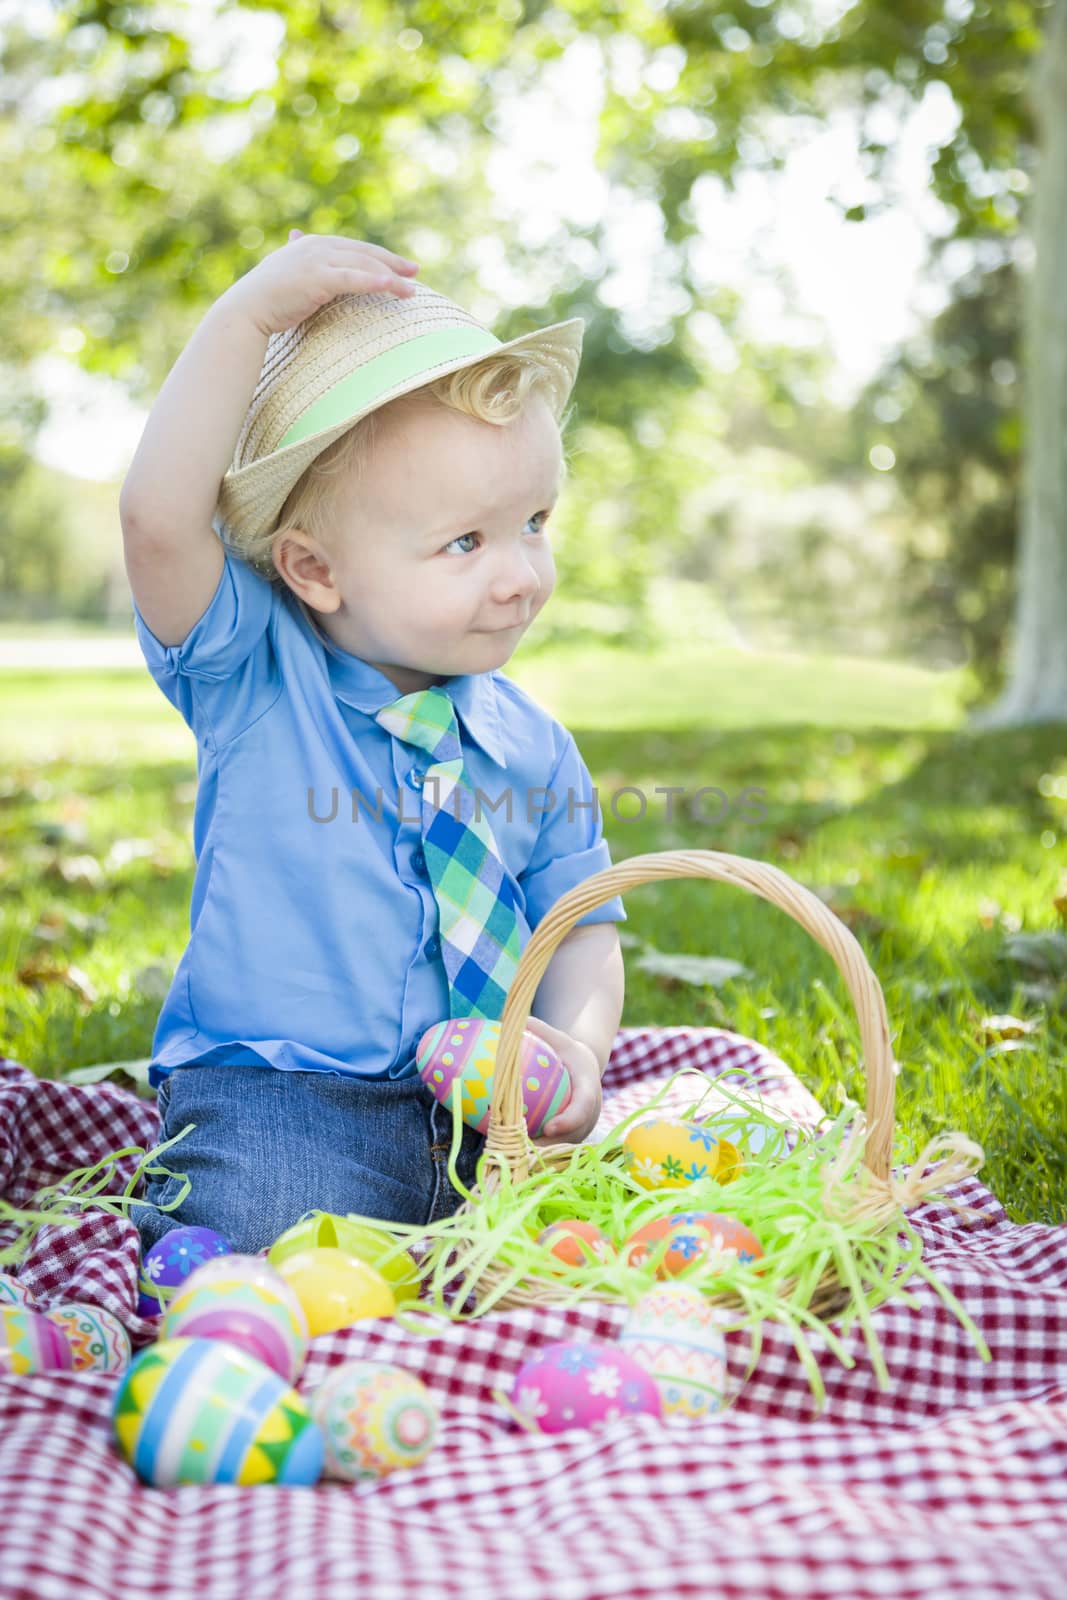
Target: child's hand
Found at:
580, 1113
310, 271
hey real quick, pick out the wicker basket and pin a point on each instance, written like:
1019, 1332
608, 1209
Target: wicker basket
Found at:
879, 1197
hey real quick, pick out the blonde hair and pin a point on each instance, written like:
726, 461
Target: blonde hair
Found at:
494, 390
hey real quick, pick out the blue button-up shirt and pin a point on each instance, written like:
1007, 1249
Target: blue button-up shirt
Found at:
313, 942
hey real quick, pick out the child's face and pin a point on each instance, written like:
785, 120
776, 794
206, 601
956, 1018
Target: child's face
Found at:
440, 559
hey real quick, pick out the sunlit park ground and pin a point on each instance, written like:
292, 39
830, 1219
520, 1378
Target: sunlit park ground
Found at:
941, 849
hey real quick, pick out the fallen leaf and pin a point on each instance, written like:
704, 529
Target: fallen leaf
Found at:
698, 970
1042, 954
39, 970
137, 1070
1005, 1027
85, 871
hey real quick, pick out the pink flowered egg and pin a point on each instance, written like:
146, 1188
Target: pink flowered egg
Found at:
30, 1343
464, 1051
583, 1386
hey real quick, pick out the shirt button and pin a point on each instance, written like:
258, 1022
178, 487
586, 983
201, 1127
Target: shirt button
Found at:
418, 861
433, 946
415, 779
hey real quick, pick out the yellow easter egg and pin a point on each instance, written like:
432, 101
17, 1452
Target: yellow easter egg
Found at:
336, 1289
667, 1153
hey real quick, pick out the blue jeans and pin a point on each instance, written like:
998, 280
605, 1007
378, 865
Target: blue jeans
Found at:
269, 1146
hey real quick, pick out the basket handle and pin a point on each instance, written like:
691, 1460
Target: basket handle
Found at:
507, 1137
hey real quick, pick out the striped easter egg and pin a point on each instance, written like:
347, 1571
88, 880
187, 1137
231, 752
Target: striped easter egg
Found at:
201, 1411
30, 1343
250, 1305
464, 1051
97, 1339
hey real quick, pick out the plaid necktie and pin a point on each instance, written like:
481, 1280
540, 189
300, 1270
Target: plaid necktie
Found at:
479, 928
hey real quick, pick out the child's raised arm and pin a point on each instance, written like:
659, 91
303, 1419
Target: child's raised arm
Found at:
168, 499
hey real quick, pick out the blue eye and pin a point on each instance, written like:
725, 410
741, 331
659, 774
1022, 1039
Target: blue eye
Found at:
544, 515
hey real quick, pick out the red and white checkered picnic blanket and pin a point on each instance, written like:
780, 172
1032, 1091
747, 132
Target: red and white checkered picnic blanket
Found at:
953, 1483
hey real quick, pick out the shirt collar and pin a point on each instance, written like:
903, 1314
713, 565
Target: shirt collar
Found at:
474, 695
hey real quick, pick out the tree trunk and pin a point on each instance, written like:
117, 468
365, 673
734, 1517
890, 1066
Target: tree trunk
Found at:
1037, 687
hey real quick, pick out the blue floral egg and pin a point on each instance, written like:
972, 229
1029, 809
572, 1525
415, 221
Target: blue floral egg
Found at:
168, 1263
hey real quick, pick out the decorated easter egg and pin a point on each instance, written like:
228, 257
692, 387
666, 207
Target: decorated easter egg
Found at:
201, 1411
693, 1235
96, 1337
375, 1418
251, 1306
686, 1241
14, 1293
463, 1052
336, 1289
667, 1153
675, 1334
565, 1238
30, 1343
168, 1263
373, 1245
583, 1386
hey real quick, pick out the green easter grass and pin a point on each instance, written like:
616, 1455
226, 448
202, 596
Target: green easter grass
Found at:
799, 1202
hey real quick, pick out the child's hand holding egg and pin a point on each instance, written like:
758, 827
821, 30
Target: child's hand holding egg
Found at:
463, 1052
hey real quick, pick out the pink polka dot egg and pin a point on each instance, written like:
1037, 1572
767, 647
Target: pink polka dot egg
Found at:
570, 1385
464, 1051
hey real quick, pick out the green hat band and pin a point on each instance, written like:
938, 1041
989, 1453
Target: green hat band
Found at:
376, 377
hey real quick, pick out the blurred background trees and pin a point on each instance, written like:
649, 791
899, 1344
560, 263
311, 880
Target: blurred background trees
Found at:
720, 482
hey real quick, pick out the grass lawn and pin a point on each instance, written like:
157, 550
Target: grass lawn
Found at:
942, 850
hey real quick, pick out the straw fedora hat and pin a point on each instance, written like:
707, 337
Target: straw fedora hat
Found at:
351, 357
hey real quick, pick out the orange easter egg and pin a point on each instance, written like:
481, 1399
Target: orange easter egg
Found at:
693, 1235
563, 1238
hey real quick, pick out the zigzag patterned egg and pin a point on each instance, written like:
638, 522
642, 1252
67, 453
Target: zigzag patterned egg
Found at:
667, 1153
245, 1301
464, 1051
30, 1343
673, 1332
375, 1418
97, 1339
201, 1411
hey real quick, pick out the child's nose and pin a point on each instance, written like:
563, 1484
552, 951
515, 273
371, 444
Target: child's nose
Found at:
518, 579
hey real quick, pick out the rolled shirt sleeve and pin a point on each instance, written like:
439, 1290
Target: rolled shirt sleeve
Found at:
224, 674
570, 845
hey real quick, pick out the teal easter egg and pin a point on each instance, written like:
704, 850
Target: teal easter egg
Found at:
463, 1053
202, 1411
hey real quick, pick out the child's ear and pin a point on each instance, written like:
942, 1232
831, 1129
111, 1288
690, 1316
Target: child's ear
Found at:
306, 568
